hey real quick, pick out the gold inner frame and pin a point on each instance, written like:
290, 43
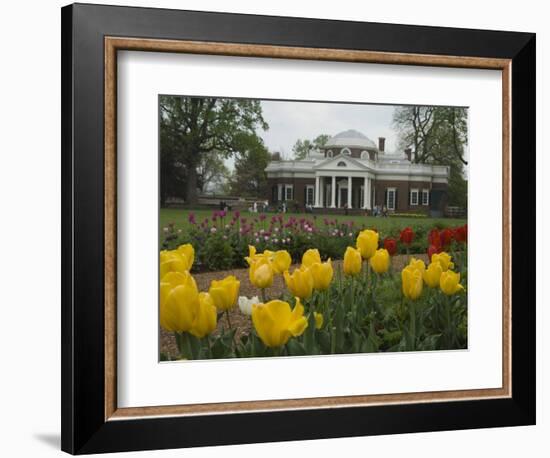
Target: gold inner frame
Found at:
114, 44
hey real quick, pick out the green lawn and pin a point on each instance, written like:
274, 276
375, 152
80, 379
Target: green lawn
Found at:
179, 217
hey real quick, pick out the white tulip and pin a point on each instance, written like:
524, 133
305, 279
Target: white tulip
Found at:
245, 304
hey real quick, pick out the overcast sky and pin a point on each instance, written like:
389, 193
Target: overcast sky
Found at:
290, 121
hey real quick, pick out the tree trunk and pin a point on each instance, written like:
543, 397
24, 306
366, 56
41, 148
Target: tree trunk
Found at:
192, 195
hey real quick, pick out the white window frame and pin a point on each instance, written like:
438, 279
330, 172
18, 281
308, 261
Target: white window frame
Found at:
290, 188
365, 154
425, 197
394, 191
312, 188
414, 192
329, 153
345, 151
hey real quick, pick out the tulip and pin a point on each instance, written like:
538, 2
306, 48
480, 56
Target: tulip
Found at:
179, 301
352, 261
225, 292
432, 249
380, 261
311, 257
449, 282
444, 259
281, 261
179, 260
276, 323
188, 252
245, 304
417, 264
461, 233
300, 283
411, 278
318, 320
322, 275
406, 236
261, 274
446, 237
206, 318
367, 243
432, 274
390, 245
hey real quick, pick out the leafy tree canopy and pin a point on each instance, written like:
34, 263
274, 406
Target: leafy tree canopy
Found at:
303, 147
437, 135
192, 127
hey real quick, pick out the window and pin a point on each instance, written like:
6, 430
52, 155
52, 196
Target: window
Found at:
365, 155
329, 153
310, 195
390, 198
346, 151
341, 164
289, 194
425, 197
414, 197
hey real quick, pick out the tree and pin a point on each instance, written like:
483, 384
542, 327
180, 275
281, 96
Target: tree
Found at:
437, 135
211, 171
249, 178
191, 127
303, 147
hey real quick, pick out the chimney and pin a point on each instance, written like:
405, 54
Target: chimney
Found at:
381, 144
408, 153
276, 156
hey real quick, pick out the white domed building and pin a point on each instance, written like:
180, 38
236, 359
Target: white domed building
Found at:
353, 172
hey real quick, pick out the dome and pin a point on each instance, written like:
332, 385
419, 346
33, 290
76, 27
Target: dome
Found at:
350, 138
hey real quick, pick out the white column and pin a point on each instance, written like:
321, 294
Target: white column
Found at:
333, 189
321, 192
280, 192
349, 192
316, 191
369, 195
366, 203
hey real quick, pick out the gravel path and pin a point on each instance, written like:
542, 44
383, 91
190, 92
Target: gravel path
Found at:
238, 320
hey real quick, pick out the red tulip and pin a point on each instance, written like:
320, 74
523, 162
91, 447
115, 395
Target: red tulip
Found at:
434, 238
407, 236
390, 245
446, 237
461, 233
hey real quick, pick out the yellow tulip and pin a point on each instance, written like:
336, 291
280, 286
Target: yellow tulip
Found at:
188, 253
175, 261
432, 274
322, 275
367, 243
411, 278
318, 320
380, 261
261, 274
179, 301
444, 259
281, 261
276, 323
311, 257
300, 283
417, 264
352, 261
206, 318
449, 282
225, 292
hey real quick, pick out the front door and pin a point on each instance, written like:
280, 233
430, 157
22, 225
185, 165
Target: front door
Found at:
343, 197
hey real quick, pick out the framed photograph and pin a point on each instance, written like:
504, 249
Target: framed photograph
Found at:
283, 228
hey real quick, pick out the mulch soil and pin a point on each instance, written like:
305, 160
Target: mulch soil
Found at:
239, 321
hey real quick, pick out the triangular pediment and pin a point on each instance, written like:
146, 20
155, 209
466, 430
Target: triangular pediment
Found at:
337, 163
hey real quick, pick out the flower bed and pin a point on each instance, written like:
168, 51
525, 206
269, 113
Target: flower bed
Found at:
362, 306
221, 239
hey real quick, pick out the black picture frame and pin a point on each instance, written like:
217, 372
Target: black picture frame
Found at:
84, 428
